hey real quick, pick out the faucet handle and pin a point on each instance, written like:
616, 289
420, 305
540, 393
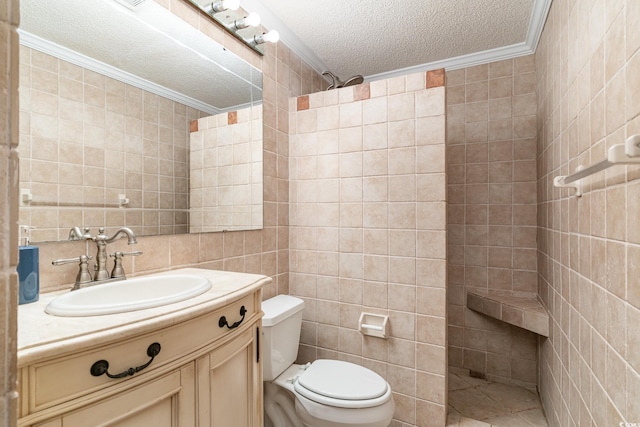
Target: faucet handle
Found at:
121, 254
80, 259
83, 274
118, 270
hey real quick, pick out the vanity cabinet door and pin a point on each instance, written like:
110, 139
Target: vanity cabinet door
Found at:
229, 383
167, 401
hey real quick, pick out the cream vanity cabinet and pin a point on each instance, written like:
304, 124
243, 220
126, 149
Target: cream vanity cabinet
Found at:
228, 394
207, 373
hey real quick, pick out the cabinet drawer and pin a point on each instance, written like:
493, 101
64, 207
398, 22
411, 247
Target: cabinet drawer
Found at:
59, 380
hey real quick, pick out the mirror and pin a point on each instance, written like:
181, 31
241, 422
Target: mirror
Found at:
112, 95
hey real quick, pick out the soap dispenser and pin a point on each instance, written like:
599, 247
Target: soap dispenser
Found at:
28, 268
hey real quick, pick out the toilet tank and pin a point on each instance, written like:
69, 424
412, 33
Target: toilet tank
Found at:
281, 334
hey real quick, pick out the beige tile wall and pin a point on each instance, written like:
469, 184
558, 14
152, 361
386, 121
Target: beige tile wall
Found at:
86, 138
226, 174
588, 248
9, 17
588, 78
368, 217
491, 185
263, 251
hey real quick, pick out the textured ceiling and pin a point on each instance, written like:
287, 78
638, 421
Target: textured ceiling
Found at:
372, 37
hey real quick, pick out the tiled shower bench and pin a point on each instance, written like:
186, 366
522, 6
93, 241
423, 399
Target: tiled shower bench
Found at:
523, 311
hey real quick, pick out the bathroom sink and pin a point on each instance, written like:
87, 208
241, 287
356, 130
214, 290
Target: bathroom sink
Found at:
128, 295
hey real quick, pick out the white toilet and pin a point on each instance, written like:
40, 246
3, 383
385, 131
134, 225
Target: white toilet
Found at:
325, 393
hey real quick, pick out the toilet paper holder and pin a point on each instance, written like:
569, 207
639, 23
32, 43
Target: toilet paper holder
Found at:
375, 325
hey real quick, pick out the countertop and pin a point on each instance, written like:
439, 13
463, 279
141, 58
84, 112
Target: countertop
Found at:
41, 335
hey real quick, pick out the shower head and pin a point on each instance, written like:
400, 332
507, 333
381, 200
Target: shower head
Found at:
352, 81
337, 83
334, 80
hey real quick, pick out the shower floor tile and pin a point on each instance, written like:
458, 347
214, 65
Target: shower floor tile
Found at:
475, 402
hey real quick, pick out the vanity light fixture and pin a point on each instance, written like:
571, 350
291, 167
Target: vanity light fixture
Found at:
251, 20
272, 37
237, 21
221, 6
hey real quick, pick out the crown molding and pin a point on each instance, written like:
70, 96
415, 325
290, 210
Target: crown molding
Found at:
55, 50
464, 61
537, 20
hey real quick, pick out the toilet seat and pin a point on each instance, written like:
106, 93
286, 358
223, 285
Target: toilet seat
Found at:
323, 411
342, 385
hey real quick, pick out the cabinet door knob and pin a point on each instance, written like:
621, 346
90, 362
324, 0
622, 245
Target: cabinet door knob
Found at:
102, 366
223, 320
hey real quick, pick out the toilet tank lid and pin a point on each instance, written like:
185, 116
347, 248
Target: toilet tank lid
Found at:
279, 308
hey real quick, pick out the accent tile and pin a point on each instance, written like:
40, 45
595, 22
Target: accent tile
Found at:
362, 92
435, 78
303, 102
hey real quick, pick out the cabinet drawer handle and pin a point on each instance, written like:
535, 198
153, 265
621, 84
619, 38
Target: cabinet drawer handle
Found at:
223, 320
102, 366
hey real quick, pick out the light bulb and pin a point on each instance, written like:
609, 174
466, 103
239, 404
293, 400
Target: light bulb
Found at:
272, 37
251, 20
231, 4
221, 6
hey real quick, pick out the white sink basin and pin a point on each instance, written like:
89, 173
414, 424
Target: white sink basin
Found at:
128, 295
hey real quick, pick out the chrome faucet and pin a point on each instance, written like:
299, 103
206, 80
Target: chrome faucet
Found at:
101, 241
76, 234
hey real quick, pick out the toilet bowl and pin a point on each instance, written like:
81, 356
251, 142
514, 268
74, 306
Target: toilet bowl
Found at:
325, 393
